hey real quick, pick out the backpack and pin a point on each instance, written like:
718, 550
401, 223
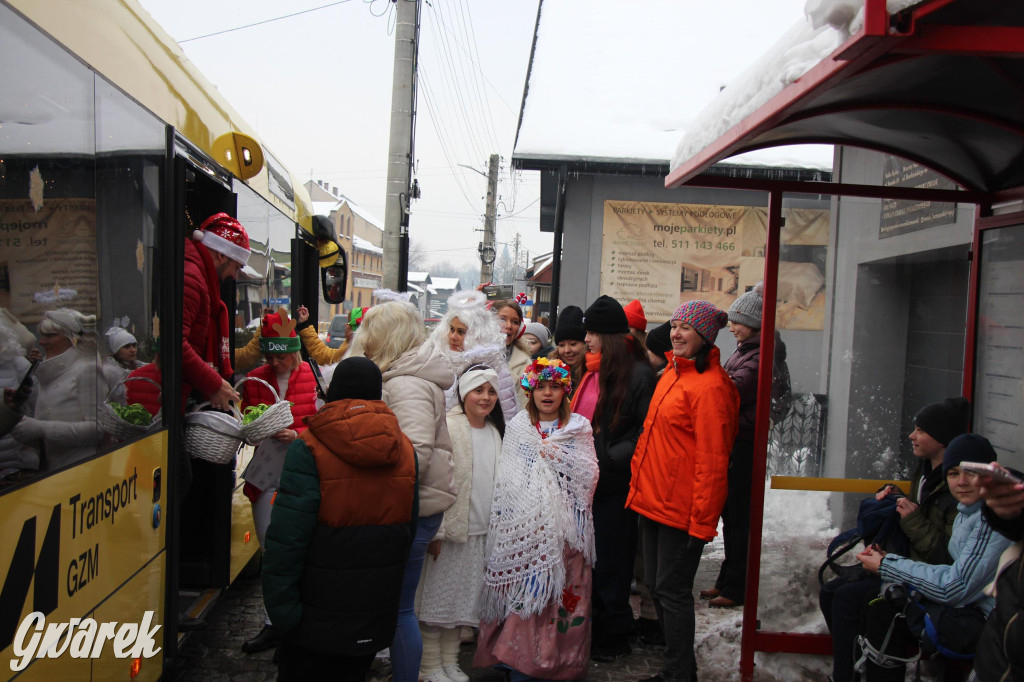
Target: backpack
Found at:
877, 523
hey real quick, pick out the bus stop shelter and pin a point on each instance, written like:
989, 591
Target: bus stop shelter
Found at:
939, 83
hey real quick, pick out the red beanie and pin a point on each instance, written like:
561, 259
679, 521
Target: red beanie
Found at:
635, 315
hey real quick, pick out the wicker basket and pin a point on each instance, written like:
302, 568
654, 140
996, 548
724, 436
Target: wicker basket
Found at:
111, 422
213, 436
278, 416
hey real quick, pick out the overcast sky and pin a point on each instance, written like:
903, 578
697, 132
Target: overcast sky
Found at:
317, 87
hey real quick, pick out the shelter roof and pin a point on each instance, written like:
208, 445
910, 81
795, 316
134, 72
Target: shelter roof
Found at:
940, 82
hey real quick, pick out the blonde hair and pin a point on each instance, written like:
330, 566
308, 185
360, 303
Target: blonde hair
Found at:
389, 330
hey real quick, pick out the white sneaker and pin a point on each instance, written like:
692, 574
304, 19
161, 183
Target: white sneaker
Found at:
454, 673
435, 676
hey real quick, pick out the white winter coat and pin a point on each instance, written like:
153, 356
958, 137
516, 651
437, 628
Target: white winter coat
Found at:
67, 391
414, 387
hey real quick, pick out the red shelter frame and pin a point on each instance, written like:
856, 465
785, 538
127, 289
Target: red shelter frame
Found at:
962, 122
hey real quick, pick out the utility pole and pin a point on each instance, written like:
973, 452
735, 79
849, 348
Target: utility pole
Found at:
515, 263
487, 247
400, 150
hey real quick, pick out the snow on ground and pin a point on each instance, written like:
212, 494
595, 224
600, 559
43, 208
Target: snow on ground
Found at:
797, 530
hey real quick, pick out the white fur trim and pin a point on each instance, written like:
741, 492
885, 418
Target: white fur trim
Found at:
228, 248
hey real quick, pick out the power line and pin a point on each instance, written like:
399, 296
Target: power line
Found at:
265, 21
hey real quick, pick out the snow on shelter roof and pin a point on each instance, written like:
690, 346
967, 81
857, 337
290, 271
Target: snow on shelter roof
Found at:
937, 82
825, 26
609, 83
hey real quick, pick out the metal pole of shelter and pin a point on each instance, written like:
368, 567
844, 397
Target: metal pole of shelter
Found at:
764, 396
556, 247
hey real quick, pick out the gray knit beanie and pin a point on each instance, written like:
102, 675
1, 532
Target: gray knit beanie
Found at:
746, 309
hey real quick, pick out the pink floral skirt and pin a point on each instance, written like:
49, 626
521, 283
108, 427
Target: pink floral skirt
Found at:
551, 645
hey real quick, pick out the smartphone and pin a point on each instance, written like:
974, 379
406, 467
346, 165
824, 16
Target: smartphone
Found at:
320, 384
995, 472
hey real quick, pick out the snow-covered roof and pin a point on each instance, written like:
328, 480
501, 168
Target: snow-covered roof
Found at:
363, 213
364, 245
412, 287
609, 83
418, 277
324, 208
825, 26
444, 283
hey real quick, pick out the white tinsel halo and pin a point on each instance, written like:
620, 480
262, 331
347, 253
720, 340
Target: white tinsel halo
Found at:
462, 300
387, 295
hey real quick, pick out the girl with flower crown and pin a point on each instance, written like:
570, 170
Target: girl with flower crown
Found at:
535, 606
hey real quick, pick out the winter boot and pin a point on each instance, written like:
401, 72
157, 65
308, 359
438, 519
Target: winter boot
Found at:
450, 641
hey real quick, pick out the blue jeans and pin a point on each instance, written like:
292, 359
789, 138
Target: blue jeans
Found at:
407, 647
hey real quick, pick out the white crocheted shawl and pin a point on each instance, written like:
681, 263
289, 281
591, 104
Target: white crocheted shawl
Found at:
542, 502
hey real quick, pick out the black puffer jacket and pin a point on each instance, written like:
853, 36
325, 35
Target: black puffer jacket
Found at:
615, 446
1000, 652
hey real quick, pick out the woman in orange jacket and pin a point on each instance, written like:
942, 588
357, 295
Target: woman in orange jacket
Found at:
680, 474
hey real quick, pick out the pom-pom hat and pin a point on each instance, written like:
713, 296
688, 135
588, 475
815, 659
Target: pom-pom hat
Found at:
746, 309
225, 235
118, 338
277, 334
702, 316
545, 369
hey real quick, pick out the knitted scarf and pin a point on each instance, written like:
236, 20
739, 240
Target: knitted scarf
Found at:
542, 502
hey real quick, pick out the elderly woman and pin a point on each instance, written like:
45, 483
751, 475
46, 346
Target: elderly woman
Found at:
680, 474
70, 384
416, 375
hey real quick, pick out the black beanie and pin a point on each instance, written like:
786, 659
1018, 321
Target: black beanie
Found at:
658, 340
570, 325
967, 447
355, 377
606, 316
944, 421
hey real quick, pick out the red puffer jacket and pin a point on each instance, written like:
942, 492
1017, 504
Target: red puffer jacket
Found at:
301, 392
196, 361
681, 462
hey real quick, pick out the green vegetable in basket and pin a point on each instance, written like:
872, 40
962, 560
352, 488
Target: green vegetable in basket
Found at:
253, 413
133, 414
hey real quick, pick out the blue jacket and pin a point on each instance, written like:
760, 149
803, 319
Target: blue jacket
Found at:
975, 549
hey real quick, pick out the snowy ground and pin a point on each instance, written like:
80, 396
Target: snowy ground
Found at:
797, 530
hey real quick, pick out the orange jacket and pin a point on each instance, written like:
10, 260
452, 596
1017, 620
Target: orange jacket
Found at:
681, 462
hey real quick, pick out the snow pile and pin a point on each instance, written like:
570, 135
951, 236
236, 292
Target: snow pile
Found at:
797, 530
827, 24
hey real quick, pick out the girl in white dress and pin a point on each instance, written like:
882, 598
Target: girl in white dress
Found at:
453, 573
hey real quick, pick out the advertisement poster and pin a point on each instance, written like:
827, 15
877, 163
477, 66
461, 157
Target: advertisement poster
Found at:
666, 253
49, 257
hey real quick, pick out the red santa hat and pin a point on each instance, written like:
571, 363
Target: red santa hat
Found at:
225, 235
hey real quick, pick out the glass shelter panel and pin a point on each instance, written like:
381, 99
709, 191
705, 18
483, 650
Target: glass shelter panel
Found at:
891, 341
999, 375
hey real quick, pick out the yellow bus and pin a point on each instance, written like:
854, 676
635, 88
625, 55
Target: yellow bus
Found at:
113, 148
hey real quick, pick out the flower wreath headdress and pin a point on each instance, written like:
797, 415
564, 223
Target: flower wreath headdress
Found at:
544, 369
